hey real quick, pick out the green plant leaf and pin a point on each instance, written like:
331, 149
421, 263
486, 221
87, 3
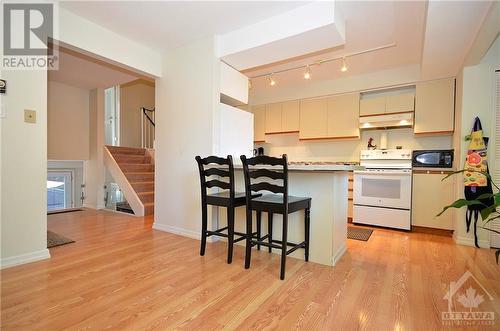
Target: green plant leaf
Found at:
491, 230
486, 212
491, 219
485, 196
453, 173
459, 204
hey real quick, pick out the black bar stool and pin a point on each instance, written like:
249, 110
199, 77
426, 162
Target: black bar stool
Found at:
271, 168
219, 167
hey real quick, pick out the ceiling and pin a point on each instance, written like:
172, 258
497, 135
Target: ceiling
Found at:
434, 35
164, 25
85, 72
369, 24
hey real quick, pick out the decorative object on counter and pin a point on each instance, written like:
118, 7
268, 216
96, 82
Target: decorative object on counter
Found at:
258, 151
227, 198
279, 202
358, 233
370, 144
383, 140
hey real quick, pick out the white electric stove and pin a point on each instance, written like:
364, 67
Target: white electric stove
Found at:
382, 192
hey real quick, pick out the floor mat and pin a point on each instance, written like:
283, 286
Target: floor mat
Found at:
54, 239
358, 233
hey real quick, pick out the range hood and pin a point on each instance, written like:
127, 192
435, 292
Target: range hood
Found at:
394, 120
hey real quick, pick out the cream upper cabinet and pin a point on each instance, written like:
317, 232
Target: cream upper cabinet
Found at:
273, 118
399, 103
430, 195
313, 119
343, 116
372, 106
435, 107
290, 116
259, 123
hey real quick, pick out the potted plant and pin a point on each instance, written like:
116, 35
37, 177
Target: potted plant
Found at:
488, 211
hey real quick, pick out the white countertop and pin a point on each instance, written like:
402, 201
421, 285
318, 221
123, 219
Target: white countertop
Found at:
315, 167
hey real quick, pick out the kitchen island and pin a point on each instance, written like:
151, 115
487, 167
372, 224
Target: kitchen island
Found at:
327, 185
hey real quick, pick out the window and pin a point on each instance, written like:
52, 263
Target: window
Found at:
59, 190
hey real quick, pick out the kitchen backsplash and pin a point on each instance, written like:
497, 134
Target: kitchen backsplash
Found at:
348, 150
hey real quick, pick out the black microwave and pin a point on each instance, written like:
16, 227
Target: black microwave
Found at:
433, 159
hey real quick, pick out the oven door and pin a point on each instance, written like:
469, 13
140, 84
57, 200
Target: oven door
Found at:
387, 188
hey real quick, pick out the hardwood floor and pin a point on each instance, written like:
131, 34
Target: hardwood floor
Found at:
122, 275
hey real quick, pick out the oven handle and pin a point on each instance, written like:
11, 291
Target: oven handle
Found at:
384, 173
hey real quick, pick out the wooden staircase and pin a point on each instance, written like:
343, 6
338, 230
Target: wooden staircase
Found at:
138, 167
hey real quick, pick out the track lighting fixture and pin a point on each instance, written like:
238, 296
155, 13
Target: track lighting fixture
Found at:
307, 73
344, 65
272, 82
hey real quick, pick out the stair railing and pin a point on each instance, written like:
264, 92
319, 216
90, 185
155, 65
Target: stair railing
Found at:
147, 127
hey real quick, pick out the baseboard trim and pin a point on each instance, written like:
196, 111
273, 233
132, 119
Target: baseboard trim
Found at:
338, 255
176, 230
24, 258
466, 241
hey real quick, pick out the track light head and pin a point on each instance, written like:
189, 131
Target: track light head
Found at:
307, 73
344, 65
272, 82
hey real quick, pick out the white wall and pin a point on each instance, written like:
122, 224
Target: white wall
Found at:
187, 98
233, 84
133, 96
67, 122
94, 167
87, 36
24, 169
347, 150
477, 98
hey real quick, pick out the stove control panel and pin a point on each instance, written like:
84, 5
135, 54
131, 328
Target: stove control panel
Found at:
386, 154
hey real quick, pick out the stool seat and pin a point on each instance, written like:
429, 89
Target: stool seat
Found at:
222, 198
274, 203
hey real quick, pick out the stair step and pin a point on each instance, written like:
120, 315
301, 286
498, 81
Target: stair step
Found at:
140, 176
146, 196
126, 150
149, 208
129, 158
129, 167
143, 186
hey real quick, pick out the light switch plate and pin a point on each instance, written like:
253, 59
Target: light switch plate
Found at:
29, 116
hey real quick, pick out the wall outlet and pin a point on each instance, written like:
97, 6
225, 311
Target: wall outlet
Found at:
29, 116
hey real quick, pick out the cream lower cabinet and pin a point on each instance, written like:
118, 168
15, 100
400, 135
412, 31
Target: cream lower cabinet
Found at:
430, 195
435, 107
343, 116
313, 119
259, 123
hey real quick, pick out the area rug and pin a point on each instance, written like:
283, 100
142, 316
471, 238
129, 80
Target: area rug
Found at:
358, 233
54, 239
